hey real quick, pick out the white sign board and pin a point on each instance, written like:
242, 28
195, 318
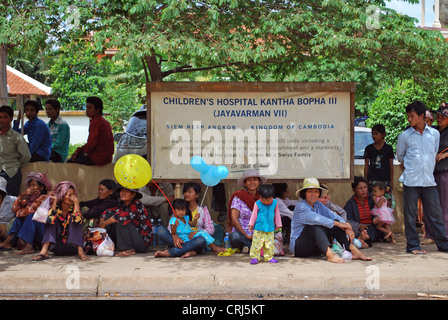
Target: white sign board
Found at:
286, 135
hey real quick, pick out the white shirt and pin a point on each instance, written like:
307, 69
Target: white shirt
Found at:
418, 154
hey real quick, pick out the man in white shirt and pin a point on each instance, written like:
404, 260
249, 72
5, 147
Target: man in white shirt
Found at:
417, 148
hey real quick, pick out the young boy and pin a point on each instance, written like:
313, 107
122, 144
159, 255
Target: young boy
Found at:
37, 130
417, 148
99, 148
264, 220
59, 131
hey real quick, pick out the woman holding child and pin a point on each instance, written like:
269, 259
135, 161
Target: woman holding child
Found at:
64, 227
241, 205
314, 226
359, 214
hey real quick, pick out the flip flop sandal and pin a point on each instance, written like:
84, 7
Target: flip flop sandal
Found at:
40, 257
228, 252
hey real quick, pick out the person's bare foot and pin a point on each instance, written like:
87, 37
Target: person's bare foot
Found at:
333, 257
126, 253
160, 254
189, 254
25, 250
358, 255
83, 257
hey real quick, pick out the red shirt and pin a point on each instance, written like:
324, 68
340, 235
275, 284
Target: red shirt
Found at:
100, 143
365, 216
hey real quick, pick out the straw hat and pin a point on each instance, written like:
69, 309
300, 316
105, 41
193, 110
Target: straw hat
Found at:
311, 183
251, 173
138, 193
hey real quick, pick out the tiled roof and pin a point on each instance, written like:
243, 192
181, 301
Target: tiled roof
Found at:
20, 83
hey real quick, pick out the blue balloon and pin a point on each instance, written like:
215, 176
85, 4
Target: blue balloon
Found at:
198, 164
220, 172
208, 179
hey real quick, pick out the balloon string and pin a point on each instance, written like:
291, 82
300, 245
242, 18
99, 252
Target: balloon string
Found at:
204, 196
164, 195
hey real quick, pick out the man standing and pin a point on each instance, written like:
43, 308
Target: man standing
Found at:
417, 149
14, 152
99, 148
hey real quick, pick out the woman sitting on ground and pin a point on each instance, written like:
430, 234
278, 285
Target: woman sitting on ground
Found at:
314, 227
26, 232
128, 223
107, 198
183, 241
63, 231
241, 204
6, 214
286, 207
192, 192
358, 209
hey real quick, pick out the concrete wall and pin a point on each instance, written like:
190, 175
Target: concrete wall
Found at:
86, 178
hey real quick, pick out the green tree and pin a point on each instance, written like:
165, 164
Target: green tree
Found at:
327, 40
24, 24
390, 106
78, 73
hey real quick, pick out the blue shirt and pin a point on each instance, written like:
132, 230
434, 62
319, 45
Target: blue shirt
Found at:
265, 217
38, 137
304, 214
418, 153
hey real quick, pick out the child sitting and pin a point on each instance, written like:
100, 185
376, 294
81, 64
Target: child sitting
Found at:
181, 227
264, 220
383, 214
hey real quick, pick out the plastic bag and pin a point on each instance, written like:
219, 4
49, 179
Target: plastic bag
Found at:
106, 248
95, 236
41, 213
278, 243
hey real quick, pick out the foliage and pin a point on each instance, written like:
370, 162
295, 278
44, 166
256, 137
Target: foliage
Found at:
270, 40
390, 106
120, 104
278, 35
77, 74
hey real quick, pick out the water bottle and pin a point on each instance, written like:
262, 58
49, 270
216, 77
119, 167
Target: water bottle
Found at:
226, 241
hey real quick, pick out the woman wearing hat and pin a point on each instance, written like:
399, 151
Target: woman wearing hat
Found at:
26, 232
6, 214
314, 226
64, 228
241, 204
128, 223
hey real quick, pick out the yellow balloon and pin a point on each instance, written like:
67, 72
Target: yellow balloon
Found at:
132, 171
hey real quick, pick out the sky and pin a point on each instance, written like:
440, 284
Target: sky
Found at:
414, 10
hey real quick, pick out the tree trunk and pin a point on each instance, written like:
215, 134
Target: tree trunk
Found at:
153, 69
3, 82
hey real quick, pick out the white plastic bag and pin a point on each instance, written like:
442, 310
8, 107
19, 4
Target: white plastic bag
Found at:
41, 213
106, 248
278, 243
